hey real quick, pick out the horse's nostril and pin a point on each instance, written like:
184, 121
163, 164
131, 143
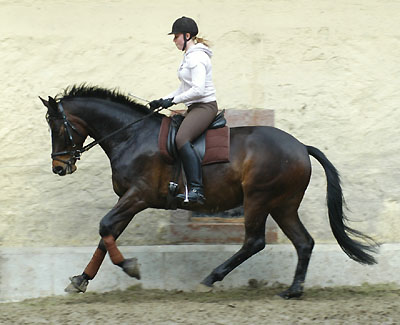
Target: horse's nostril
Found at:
58, 170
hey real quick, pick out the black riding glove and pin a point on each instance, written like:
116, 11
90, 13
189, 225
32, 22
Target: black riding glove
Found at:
154, 104
165, 103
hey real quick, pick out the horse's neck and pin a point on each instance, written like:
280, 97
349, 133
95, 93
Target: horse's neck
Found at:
103, 119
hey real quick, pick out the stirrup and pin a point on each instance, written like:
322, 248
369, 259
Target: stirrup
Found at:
193, 196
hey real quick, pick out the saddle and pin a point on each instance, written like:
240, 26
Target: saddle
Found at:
212, 146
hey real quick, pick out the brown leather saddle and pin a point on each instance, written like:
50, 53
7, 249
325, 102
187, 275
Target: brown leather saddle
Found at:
212, 146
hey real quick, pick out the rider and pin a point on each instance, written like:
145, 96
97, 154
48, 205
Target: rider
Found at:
197, 92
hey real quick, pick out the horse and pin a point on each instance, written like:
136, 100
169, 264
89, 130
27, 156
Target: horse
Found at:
268, 173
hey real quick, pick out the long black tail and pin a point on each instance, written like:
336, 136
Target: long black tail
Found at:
356, 250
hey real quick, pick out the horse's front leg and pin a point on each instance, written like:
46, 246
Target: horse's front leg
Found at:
80, 282
111, 227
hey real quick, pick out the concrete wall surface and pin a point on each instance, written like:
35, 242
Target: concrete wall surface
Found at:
28, 273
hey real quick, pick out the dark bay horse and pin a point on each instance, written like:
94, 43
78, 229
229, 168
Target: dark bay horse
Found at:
268, 173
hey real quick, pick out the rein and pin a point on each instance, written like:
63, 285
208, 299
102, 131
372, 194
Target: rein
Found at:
76, 153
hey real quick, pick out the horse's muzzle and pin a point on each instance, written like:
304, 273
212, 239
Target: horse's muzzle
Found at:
59, 170
62, 170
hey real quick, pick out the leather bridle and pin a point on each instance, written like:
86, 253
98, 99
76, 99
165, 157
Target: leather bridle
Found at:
69, 128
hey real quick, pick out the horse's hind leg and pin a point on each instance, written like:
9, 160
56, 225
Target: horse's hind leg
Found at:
253, 243
288, 220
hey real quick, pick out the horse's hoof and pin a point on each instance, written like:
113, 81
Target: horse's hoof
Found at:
131, 267
287, 294
203, 288
71, 289
78, 284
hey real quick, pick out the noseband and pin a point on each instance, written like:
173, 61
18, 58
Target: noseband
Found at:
69, 127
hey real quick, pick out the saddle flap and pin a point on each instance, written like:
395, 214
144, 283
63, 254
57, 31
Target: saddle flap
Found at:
163, 138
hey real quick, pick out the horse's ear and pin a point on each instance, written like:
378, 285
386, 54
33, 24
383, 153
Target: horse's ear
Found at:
53, 103
45, 102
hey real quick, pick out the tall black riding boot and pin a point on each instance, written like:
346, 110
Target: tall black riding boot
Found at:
192, 166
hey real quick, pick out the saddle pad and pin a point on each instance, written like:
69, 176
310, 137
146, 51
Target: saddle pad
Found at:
217, 144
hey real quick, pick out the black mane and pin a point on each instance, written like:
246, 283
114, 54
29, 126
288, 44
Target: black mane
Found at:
113, 95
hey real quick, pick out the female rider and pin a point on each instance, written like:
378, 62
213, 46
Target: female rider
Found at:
197, 92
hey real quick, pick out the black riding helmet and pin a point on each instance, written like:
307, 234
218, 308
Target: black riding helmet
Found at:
185, 25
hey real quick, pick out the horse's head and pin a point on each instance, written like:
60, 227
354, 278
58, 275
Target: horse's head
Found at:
67, 137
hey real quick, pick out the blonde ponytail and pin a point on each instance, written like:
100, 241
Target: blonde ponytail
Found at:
202, 41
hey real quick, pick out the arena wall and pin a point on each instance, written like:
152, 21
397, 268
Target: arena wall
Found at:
329, 70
